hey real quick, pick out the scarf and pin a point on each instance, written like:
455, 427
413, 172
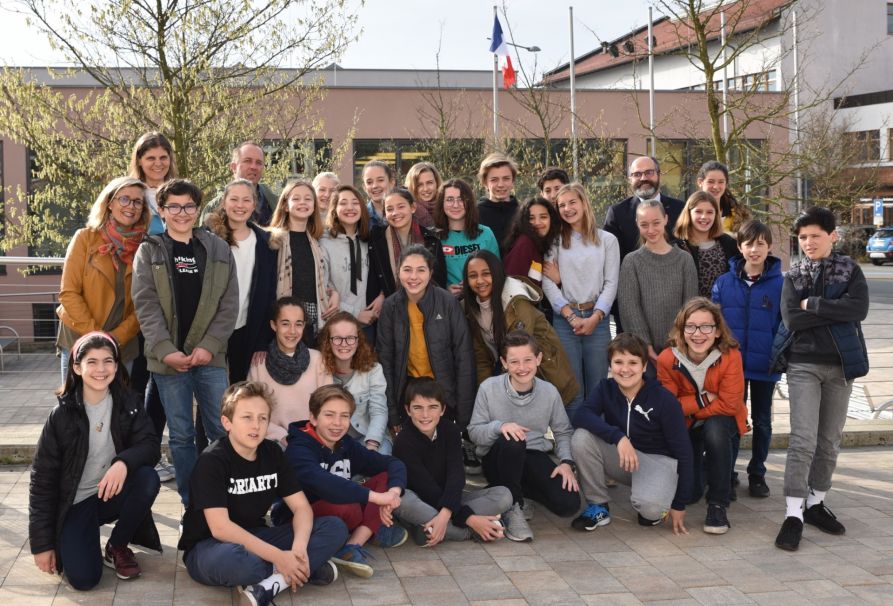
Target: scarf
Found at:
120, 244
356, 261
415, 237
285, 369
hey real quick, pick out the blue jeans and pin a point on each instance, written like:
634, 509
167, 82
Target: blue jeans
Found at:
79, 550
761, 419
587, 354
211, 562
207, 384
712, 448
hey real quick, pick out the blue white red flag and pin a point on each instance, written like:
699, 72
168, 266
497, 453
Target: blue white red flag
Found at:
499, 47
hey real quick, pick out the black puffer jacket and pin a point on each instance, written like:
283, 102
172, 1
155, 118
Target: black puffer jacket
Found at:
381, 276
449, 351
61, 456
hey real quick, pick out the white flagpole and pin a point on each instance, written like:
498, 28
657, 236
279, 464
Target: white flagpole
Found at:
653, 145
574, 102
495, 91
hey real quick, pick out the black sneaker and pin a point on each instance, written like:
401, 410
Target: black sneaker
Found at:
470, 458
733, 494
325, 574
256, 595
757, 487
643, 521
789, 536
716, 522
417, 534
821, 517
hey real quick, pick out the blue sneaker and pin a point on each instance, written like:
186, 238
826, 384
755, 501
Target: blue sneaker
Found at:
354, 559
592, 517
257, 595
390, 536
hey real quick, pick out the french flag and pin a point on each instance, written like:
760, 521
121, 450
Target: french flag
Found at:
498, 47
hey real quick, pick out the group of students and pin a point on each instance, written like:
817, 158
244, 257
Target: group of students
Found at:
351, 360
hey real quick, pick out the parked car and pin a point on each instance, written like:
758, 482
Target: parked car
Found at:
880, 246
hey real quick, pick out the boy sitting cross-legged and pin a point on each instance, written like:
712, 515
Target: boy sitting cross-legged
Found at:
631, 429
225, 540
325, 458
435, 507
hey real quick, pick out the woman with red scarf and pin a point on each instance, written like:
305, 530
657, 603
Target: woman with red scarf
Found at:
95, 292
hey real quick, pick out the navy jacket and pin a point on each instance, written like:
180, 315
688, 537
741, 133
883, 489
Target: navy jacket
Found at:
753, 313
326, 475
836, 302
653, 422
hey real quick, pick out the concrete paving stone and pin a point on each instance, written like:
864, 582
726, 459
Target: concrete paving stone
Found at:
554, 598
588, 577
420, 568
648, 583
619, 558
522, 563
654, 545
28, 595
463, 553
721, 595
383, 588
559, 549
774, 598
335, 594
509, 602
439, 591
612, 599
716, 553
484, 582
534, 581
104, 595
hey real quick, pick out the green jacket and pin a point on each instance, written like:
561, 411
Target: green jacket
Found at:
153, 298
519, 299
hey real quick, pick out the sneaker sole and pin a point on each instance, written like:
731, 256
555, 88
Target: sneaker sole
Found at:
758, 496
823, 529
118, 574
245, 598
512, 537
323, 582
787, 546
364, 571
585, 528
716, 529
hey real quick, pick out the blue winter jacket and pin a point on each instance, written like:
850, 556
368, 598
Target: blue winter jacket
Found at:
326, 474
753, 313
653, 422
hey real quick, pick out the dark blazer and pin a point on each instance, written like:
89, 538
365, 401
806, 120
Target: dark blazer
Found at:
381, 277
621, 221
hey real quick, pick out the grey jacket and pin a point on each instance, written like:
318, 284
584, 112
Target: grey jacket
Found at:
155, 303
369, 389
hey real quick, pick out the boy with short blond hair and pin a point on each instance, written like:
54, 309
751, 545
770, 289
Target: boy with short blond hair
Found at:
497, 209
225, 540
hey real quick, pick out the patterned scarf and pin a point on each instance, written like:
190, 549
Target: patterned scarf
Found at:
285, 369
120, 244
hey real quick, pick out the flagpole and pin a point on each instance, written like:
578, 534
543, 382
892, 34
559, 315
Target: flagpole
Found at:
653, 142
576, 153
495, 91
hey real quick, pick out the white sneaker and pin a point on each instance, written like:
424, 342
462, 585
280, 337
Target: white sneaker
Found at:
529, 508
516, 527
165, 471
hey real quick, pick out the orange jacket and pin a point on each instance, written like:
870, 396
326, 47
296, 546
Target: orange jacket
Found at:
88, 289
725, 378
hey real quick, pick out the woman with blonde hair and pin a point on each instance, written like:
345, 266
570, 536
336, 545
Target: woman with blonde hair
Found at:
153, 162
296, 228
589, 259
700, 233
96, 275
423, 180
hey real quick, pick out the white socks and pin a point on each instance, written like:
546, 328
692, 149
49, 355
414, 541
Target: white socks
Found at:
795, 507
274, 579
815, 497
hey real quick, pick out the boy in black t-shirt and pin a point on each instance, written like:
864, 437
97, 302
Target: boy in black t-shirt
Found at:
225, 540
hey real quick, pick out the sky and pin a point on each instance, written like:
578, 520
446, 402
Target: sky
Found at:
405, 34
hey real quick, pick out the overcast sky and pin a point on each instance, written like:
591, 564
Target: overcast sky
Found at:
404, 34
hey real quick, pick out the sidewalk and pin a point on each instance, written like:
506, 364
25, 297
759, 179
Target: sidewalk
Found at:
622, 563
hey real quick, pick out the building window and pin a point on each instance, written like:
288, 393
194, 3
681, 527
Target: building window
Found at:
401, 154
866, 145
45, 321
890, 17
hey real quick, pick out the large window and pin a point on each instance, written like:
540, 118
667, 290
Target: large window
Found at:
866, 145
890, 17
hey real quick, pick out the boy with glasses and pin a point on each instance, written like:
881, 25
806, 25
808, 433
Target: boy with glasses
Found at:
186, 297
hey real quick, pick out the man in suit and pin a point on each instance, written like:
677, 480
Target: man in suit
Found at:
248, 163
644, 181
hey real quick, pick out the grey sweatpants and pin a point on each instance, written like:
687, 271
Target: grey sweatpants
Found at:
653, 485
492, 501
820, 396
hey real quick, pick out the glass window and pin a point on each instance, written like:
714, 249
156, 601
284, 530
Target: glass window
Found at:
890, 17
867, 145
453, 158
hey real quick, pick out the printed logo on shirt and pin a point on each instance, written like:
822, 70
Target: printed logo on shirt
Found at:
643, 412
465, 249
185, 265
256, 484
340, 468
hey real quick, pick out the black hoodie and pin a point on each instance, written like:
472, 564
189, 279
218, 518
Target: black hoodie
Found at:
498, 216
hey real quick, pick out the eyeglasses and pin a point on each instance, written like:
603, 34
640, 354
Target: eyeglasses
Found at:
126, 201
176, 209
706, 329
644, 173
453, 201
351, 340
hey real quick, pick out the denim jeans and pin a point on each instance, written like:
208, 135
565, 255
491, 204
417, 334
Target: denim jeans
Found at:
761, 419
587, 354
212, 562
207, 384
79, 547
820, 396
712, 448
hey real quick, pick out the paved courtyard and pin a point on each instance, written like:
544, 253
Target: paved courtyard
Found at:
622, 563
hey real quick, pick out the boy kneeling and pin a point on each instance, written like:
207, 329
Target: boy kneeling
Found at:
631, 429
435, 506
225, 540
325, 458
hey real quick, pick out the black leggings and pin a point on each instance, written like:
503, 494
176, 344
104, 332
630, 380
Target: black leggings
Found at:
526, 474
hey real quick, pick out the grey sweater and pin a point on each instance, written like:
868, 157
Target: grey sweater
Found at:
497, 403
652, 290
